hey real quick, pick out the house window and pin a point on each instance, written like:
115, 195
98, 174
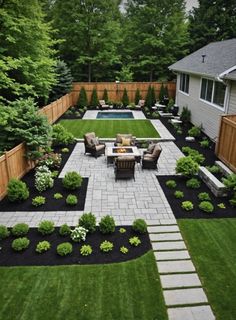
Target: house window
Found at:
213, 91
184, 83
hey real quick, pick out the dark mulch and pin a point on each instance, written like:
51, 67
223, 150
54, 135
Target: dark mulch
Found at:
64, 156
51, 203
8, 257
208, 153
192, 195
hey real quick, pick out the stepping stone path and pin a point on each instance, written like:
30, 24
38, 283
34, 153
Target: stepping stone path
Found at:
184, 296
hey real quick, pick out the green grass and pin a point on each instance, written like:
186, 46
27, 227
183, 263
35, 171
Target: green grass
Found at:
109, 128
212, 247
129, 290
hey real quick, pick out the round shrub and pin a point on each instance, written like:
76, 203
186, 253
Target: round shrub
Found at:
171, 184
86, 250
78, 234
4, 232
140, 226
205, 143
194, 154
17, 190
72, 180
107, 225
106, 246
46, 227
124, 250
178, 194
38, 201
20, 244
71, 200
61, 136
57, 196
193, 183
194, 132
88, 221
186, 166
65, 248
65, 230
134, 241
206, 206
204, 196
187, 205
214, 169
20, 229
43, 246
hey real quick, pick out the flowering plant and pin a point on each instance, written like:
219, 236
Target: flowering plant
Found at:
78, 234
43, 178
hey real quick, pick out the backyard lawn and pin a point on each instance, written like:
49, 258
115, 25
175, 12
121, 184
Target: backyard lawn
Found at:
212, 247
128, 290
109, 128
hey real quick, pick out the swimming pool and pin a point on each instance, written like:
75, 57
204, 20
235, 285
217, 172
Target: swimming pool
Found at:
115, 115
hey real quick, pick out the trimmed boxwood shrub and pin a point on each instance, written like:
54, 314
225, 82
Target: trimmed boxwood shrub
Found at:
187, 205
17, 190
72, 180
20, 244
204, 196
61, 136
193, 183
4, 232
46, 227
206, 206
171, 184
65, 230
43, 246
186, 166
88, 221
107, 225
140, 226
179, 194
71, 200
20, 229
65, 248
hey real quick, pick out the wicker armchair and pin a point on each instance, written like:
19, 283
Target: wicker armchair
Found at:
150, 158
103, 105
124, 167
92, 145
140, 104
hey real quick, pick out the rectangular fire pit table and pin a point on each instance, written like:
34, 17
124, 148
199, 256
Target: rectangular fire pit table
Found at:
114, 152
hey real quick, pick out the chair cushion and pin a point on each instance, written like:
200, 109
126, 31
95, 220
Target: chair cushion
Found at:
100, 147
148, 157
125, 158
151, 148
126, 141
94, 141
89, 137
156, 152
119, 137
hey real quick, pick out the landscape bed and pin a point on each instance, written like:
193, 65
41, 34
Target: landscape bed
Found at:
110, 128
192, 195
29, 257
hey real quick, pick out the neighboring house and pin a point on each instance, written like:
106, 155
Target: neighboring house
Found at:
206, 84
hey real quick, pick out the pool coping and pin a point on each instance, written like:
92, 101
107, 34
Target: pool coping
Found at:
92, 114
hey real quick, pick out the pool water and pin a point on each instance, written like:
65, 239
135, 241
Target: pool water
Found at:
115, 115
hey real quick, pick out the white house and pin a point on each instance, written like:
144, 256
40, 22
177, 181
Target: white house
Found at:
206, 84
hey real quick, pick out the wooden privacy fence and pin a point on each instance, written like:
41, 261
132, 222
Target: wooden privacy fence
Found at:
115, 89
14, 163
226, 145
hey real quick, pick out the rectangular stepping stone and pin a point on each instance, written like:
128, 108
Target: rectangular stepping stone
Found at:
175, 121
180, 280
172, 255
184, 296
175, 266
160, 229
165, 236
172, 245
191, 313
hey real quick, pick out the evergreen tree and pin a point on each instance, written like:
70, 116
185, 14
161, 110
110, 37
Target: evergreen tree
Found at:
105, 95
94, 98
212, 21
162, 93
64, 81
125, 98
26, 57
155, 35
148, 100
137, 96
153, 96
82, 100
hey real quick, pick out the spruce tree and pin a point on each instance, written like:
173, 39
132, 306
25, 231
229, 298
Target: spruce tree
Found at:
137, 96
161, 94
148, 100
82, 100
125, 98
105, 95
94, 98
153, 96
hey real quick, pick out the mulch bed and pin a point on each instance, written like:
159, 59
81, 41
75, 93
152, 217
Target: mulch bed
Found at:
51, 203
209, 153
8, 257
192, 195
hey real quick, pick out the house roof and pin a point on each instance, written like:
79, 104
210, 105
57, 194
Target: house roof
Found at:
231, 75
218, 58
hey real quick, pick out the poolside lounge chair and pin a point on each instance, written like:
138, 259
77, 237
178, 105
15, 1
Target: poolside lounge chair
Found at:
151, 156
92, 145
125, 139
103, 105
124, 167
140, 105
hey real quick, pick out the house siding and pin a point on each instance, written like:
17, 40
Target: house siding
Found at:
232, 99
201, 113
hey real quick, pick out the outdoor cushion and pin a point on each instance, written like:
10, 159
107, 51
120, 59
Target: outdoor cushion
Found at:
119, 137
151, 148
126, 141
125, 158
100, 147
148, 157
89, 137
94, 141
156, 152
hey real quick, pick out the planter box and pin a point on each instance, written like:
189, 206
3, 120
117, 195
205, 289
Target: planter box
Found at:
215, 185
